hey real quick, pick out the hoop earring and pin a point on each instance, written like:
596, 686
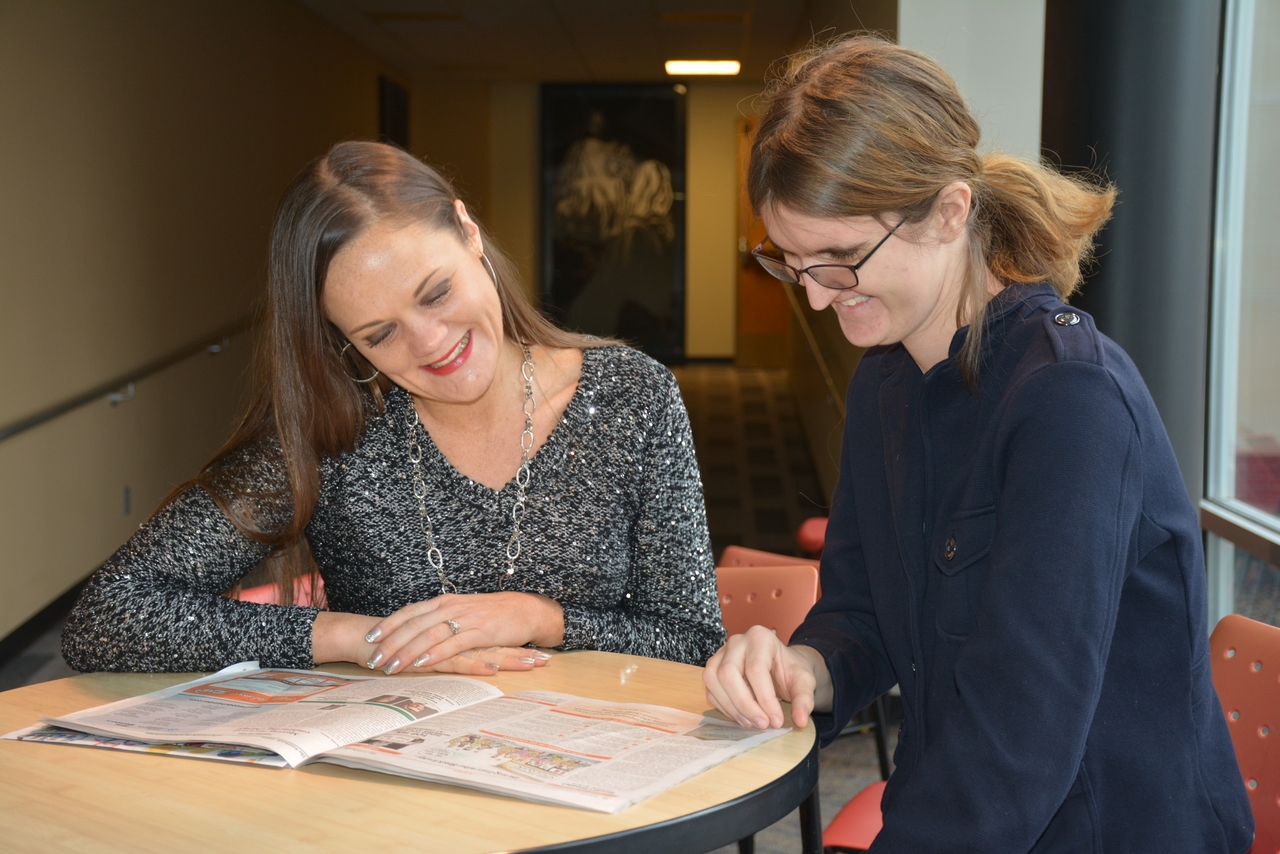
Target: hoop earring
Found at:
493, 275
343, 354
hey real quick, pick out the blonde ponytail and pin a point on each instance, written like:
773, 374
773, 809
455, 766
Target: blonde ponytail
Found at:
1029, 224
862, 127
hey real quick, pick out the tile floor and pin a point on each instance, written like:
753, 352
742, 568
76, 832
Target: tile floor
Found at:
756, 469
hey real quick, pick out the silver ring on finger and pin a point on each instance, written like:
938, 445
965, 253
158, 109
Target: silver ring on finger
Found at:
453, 626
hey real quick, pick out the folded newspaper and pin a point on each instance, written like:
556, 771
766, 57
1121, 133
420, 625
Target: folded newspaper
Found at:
537, 745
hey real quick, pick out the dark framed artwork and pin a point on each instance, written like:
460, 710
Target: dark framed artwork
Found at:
613, 244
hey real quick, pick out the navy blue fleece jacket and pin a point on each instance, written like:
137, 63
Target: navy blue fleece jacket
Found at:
1025, 562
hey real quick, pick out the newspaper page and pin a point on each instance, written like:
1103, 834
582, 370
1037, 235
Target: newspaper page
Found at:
556, 748
292, 713
189, 749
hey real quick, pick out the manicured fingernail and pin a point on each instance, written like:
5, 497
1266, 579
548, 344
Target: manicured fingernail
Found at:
761, 723
492, 666
422, 659
743, 722
373, 662
542, 656
395, 662
529, 660
373, 635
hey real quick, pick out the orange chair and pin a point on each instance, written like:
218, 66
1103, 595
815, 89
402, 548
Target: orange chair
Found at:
812, 535
776, 597
1246, 673
742, 556
855, 827
304, 593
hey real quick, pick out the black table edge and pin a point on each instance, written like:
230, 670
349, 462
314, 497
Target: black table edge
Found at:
708, 829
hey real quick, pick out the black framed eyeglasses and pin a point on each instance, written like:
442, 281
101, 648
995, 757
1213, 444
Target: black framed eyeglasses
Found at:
837, 277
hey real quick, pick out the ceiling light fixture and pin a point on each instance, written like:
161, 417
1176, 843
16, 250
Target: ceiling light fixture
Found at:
683, 67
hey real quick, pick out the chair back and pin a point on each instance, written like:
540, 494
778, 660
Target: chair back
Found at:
776, 597
812, 535
304, 594
1246, 674
858, 823
742, 556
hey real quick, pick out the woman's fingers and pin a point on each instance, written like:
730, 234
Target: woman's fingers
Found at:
485, 662
464, 664
716, 692
438, 629
796, 673
487, 619
752, 673
727, 684
508, 658
413, 637
495, 658
743, 697
432, 647
394, 621
802, 709
759, 672
433, 634
761, 666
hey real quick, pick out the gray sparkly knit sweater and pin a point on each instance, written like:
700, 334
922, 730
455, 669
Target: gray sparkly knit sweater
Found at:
615, 531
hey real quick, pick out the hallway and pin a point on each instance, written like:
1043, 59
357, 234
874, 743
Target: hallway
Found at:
756, 470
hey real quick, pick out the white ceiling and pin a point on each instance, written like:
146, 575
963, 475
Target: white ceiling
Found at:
584, 40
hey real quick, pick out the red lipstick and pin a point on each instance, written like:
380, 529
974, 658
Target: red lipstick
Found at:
455, 363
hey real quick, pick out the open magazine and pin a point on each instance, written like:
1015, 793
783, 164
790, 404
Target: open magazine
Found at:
537, 745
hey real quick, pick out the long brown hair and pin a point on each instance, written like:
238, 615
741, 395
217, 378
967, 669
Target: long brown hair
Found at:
306, 404
862, 127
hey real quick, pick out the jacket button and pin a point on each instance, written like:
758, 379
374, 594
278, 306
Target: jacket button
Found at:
1066, 318
949, 548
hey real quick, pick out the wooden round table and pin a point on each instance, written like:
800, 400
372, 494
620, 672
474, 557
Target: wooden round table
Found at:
55, 797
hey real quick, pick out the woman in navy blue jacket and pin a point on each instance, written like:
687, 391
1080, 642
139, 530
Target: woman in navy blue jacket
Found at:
1010, 540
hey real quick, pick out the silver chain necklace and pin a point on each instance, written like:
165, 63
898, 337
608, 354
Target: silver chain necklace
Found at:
522, 480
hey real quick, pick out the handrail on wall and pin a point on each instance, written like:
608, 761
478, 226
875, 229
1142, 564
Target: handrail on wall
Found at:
837, 396
213, 343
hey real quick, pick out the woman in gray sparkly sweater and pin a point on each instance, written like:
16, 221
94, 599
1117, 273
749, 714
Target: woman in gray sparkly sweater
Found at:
468, 480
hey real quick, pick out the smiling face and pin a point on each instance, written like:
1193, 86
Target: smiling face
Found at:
907, 292
418, 303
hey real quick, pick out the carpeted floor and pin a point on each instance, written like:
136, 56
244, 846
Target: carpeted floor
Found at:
756, 470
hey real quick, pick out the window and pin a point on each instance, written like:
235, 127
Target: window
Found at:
1241, 509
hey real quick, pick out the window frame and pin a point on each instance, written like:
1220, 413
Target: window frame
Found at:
1231, 523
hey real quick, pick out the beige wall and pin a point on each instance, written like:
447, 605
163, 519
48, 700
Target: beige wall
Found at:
711, 214
450, 127
513, 176
484, 137
146, 144
62, 506
144, 147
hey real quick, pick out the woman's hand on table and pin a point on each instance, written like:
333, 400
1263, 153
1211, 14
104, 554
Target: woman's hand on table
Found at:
752, 672
474, 633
